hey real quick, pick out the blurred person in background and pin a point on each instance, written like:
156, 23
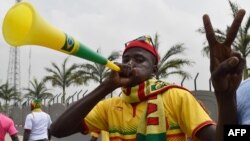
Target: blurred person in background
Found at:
37, 123
7, 126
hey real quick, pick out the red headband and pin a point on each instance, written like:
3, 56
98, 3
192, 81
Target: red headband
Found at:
143, 45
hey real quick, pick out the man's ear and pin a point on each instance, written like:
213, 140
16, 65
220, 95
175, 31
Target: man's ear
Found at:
155, 69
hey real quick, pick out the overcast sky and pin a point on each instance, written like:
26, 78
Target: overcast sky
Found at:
108, 24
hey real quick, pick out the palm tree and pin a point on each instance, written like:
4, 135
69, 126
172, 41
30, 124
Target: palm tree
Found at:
64, 77
169, 64
242, 41
38, 90
97, 72
8, 93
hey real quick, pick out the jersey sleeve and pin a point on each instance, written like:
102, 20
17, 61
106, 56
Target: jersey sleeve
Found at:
12, 129
96, 120
28, 122
189, 113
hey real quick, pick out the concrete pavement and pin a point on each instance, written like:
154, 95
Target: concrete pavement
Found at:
75, 137
7, 138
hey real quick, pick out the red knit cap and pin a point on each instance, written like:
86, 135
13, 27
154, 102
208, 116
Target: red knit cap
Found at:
144, 45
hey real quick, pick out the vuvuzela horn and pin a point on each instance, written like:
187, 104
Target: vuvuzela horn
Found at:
22, 25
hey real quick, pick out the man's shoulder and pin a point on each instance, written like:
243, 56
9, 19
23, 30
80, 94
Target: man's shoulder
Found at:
245, 84
2, 116
243, 89
176, 90
113, 100
174, 87
41, 113
164, 86
5, 118
44, 113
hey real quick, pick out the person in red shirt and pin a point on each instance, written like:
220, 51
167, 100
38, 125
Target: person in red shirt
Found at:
7, 126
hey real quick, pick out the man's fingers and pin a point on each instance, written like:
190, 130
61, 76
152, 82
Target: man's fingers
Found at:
242, 62
209, 31
226, 67
232, 33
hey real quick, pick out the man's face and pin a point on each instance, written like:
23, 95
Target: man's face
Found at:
141, 60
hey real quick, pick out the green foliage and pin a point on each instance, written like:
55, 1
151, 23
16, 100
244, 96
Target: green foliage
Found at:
96, 72
8, 93
170, 64
242, 41
64, 76
38, 90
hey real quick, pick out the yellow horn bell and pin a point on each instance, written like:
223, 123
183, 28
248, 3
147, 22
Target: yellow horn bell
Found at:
22, 25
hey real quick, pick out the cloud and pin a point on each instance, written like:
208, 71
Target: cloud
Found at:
109, 24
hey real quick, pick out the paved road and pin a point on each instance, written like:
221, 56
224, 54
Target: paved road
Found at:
7, 138
75, 137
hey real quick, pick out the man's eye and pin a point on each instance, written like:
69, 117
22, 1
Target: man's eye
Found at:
125, 60
140, 59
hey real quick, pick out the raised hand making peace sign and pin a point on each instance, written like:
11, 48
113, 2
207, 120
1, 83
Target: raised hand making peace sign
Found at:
226, 68
226, 65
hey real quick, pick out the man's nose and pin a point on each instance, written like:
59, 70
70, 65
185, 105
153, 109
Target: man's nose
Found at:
131, 63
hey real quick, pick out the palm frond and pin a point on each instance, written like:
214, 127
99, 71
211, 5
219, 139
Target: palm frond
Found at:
234, 7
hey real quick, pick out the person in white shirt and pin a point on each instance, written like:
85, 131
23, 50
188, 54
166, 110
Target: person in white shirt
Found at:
37, 123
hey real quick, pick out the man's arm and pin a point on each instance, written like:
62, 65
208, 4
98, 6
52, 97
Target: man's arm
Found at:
71, 120
12, 130
49, 135
14, 137
26, 134
226, 67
